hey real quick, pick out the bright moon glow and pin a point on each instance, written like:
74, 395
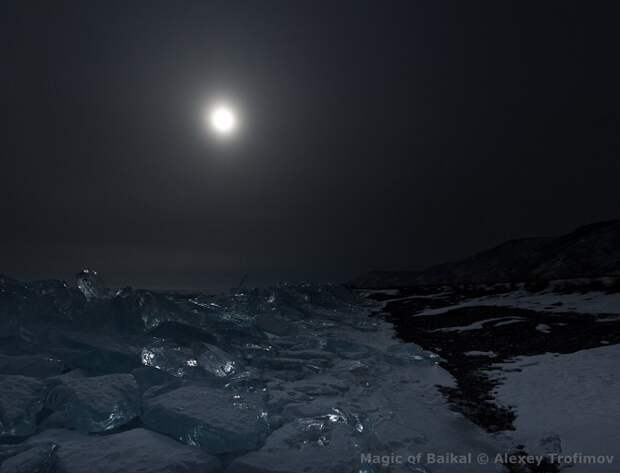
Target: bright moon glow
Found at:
223, 120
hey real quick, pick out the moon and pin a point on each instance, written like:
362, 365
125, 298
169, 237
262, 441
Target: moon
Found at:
223, 120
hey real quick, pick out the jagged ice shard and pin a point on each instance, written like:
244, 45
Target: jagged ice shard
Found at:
289, 379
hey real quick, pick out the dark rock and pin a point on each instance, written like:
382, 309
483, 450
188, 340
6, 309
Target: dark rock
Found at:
36, 458
96, 404
36, 366
135, 451
21, 399
218, 420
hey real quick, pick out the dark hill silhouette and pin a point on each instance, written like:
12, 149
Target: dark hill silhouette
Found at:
589, 251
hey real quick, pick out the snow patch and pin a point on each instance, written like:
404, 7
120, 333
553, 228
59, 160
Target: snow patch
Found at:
574, 398
588, 303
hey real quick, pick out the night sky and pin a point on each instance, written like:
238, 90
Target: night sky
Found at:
376, 135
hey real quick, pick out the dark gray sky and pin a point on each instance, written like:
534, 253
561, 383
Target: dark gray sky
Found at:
376, 135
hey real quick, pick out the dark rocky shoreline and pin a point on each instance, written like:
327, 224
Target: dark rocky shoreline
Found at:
465, 353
